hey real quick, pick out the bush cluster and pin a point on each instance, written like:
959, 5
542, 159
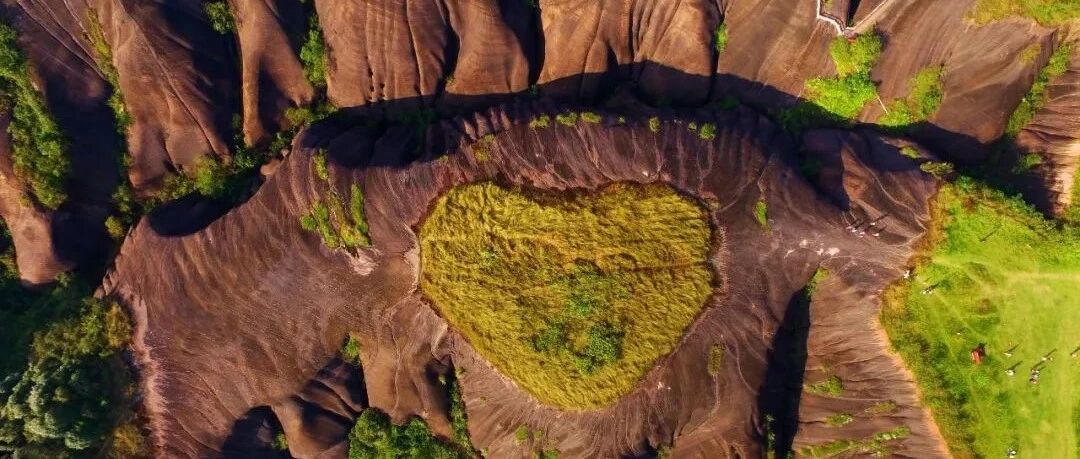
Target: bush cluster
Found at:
337, 226
220, 16
839, 99
375, 437
313, 54
38, 146
66, 392
923, 99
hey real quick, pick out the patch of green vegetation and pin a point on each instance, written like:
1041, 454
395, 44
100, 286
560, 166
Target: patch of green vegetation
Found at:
103, 56
459, 419
716, 358
63, 386
591, 117
313, 53
482, 148
819, 276
654, 125
281, 443
337, 226
939, 169
350, 350
720, 37
840, 99
923, 99
911, 152
832, 386
1072, 213
303, 116
877, 445
551, 288
1036, 96
37, 145
707, 131
540, 122
1045, 12
997, 272
547, 454
220, 16
567, 118
1027, 162
375, 437
761, 214
839, 420
858, 56
881, 408
521, 434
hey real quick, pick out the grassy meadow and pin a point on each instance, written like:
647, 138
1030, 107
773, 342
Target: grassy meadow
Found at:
1046, 12
996, 273
574, 296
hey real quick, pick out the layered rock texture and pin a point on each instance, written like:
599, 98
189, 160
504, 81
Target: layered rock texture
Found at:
265, 306
239, 320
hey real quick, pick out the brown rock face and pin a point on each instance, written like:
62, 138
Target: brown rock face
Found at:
30, 228
178, 80
265, 329
238, 324
52, 35
272, 78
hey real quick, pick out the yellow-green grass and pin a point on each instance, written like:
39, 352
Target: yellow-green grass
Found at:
1046, 12
997, 273
574, 295
923, 99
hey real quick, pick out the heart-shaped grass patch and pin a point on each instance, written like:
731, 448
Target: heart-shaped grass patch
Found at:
572, 295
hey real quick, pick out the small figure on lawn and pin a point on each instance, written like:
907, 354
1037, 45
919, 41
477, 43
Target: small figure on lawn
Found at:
1011, 453
978, 353
1009, 352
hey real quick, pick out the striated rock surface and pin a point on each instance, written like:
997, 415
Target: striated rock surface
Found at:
238, 324
179, 82
272, 78
30, 228
265, 306
52, 33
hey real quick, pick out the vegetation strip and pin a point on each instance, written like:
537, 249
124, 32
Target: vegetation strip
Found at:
38, 146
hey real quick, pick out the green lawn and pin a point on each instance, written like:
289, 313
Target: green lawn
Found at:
1001, 275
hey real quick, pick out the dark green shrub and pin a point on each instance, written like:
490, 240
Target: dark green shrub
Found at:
220, 16
375, 437
67, 395
313, 54
720, 38
36, 141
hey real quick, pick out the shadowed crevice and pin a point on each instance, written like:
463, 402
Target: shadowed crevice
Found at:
778, 401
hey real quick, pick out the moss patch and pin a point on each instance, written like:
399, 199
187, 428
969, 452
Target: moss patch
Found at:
574, 296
